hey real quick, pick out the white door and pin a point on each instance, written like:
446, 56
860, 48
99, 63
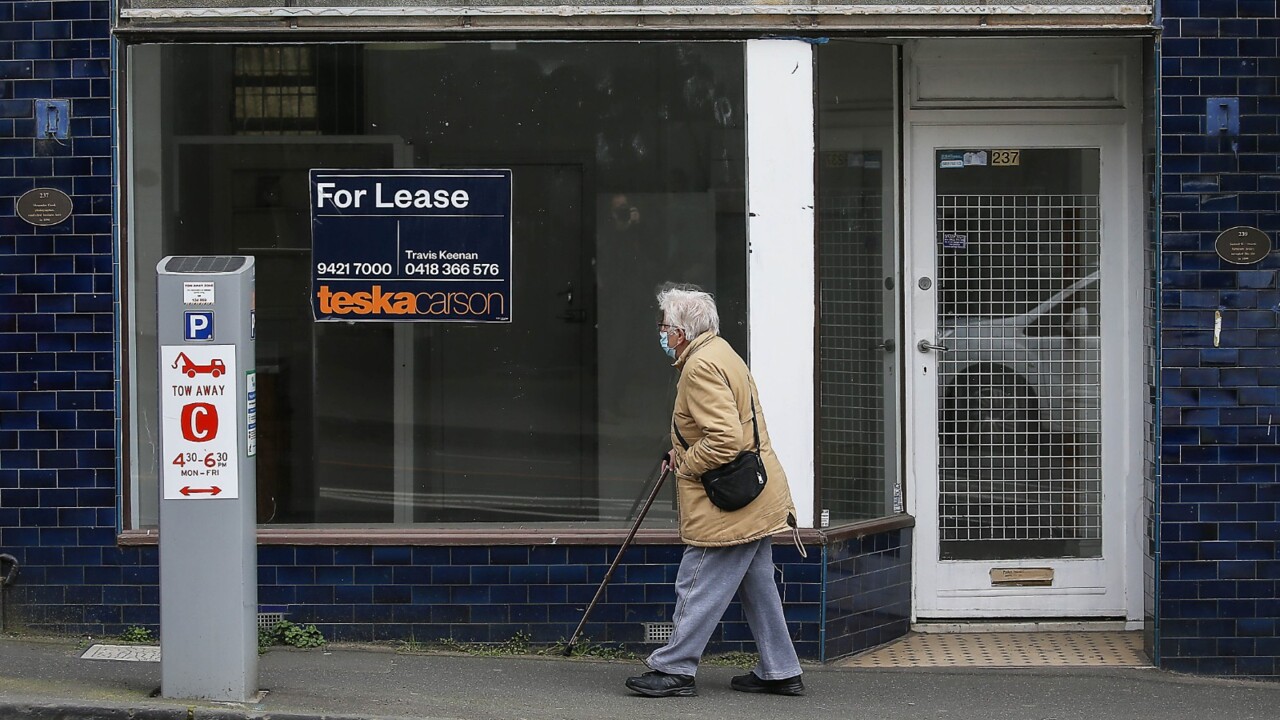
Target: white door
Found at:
1016, 266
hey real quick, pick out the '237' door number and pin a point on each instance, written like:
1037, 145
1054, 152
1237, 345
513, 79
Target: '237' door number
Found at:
1006, 157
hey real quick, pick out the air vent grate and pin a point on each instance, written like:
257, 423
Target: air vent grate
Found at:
658, 632
267, 621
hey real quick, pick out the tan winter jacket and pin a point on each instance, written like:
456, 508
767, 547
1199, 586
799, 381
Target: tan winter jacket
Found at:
713, 414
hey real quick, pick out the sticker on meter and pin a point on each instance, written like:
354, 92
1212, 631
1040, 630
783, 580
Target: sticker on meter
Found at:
200, 429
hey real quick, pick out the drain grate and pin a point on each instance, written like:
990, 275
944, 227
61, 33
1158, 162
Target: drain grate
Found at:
131, 653
268, 620
658, 632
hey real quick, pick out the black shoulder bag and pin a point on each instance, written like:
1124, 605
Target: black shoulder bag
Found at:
735, 484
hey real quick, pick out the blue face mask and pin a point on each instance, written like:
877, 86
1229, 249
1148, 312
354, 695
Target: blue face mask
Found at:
670, 351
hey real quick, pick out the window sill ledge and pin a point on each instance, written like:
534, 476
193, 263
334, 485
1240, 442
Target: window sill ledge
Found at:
572, 536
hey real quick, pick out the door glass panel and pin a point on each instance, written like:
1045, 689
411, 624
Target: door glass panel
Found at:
1019, 414
857, 262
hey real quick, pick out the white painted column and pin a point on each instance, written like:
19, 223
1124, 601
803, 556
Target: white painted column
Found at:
780, 232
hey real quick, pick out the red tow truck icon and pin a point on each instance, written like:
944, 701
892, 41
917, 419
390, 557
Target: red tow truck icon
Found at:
215, 367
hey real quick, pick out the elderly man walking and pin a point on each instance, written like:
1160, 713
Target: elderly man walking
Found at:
717, 417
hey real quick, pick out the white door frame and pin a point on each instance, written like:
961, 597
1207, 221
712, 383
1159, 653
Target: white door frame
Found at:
1119, 126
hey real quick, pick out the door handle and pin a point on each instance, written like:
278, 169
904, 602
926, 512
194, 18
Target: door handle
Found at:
925, 346
887, 345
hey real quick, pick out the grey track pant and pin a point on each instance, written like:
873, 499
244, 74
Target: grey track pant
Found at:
706, 583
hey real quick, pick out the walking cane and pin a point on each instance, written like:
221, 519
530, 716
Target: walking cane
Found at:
573, 639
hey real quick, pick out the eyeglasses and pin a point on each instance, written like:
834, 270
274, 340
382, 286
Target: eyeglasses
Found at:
663, 326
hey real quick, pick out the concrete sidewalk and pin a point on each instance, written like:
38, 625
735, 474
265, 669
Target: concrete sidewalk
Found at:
45, 678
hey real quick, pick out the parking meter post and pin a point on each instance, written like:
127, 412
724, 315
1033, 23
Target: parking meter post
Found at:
208, 510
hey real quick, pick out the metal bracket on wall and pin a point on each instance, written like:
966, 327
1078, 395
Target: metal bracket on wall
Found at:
1222, 116
52, 119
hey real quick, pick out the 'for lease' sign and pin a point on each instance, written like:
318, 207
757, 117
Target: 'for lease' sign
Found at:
411, 245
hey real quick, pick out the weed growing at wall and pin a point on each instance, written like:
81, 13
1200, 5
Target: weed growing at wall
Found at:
292, 634
137, 634
517, 644
585, 648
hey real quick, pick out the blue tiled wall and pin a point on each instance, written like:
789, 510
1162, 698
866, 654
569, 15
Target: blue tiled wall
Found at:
868, 585
57, 379
489, 593
1218, 610
467, 593
1151, 344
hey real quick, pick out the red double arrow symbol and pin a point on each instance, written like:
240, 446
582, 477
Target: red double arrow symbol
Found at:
189, 491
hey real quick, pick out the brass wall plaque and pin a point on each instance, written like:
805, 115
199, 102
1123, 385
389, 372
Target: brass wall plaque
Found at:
1021, 577
44, 206
1243, 245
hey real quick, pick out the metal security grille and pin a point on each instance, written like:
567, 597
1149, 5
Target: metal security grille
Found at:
851, 361
1019, 407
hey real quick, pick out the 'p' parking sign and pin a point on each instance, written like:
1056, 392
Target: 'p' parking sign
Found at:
197, 326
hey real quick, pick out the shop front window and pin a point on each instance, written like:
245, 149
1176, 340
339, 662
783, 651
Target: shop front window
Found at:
858, 338
628, 171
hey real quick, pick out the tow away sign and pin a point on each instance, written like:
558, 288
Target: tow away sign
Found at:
200, 423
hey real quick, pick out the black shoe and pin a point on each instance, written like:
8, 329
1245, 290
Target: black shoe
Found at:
660, 684
753, 684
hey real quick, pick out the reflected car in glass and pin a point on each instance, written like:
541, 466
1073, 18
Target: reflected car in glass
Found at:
1027, 378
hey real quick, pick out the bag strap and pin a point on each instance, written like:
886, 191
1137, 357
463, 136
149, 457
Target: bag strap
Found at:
679, 437
755, 429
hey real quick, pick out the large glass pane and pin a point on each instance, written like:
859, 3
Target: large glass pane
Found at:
1019, 409
857, 260
628, 172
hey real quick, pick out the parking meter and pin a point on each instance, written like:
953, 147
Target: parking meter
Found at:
208, 512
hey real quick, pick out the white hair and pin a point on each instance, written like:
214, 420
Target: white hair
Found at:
690, 309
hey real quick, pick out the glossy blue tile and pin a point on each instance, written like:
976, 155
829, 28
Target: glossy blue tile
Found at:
469, 594
509, 555
392, 555
511, 594
529, 574
430, 594
468, 555
373, 575
549, 555
491, 575
567, 574
411, 575
392, 594
329, 575
450, 575
425, 556
296, 575
309, 555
